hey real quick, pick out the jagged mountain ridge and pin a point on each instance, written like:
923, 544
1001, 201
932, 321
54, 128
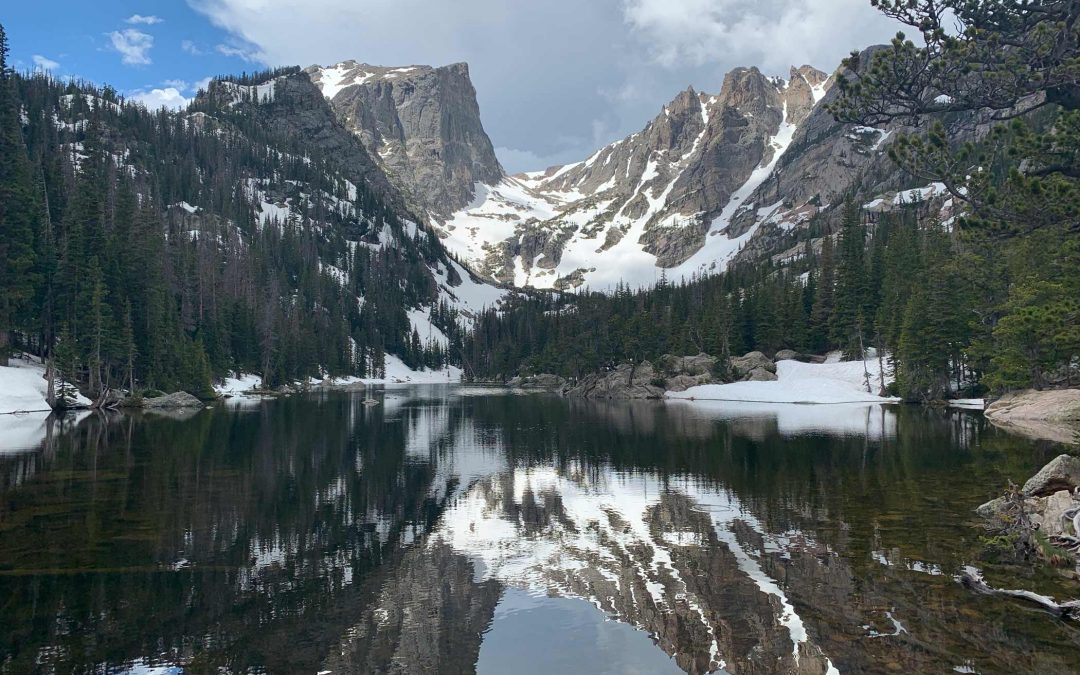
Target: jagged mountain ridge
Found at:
646, 202
422, 123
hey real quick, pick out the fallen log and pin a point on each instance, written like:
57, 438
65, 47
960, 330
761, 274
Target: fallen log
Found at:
972, 578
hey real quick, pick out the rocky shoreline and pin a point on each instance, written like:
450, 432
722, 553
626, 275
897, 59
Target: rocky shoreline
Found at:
670, 373
1052, 415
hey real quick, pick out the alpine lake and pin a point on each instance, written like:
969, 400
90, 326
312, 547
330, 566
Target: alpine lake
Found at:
457, 529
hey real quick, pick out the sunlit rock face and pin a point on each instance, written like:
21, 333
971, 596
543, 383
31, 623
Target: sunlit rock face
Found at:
422, 123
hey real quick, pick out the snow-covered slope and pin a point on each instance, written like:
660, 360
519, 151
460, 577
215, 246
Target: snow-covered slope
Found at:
23, 388
661, 199
831, 382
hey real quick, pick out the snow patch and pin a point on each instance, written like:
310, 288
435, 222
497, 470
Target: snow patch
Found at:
843, 382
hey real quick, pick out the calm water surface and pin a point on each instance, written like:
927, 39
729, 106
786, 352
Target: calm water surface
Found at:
455, 530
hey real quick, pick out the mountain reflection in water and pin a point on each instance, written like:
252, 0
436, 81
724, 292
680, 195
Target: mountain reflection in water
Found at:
458, 530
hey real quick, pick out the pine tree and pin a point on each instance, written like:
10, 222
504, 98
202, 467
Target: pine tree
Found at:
846, 323
18, 212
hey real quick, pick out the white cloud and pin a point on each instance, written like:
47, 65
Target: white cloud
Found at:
133, 45
169, 97
191, 48
177, 84
613, 67
202, 84
144, 20
239, 52
771, 34
44, 63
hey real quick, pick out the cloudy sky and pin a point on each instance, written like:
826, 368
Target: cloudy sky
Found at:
555, 79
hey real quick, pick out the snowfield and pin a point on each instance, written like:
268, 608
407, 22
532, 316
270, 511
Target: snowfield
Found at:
398, 373
22, 392
238, 384
23, 387
830, 382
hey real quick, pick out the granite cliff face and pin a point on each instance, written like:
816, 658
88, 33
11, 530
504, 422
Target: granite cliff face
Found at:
422, 123
660, 198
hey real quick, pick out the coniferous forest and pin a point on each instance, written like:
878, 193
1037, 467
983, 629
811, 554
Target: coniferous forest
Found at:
130, 256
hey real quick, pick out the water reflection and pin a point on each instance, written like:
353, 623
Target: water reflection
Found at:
452, 530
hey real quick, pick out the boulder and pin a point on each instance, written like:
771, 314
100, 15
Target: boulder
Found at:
180, 399
792, 355
1062, 473
682, 372
744, 365
701, 364
1048, 512
760, 375
683, 382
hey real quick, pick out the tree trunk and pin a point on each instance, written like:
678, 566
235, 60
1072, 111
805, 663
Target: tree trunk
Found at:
5, 342
50, 375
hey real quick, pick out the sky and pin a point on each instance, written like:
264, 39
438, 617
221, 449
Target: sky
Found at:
555, 80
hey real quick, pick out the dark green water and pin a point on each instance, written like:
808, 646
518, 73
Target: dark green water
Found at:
464, 530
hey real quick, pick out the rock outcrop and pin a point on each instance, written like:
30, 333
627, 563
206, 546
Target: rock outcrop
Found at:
671, 373
623, 382
541, 381
422, 123
177, 401
1052, 415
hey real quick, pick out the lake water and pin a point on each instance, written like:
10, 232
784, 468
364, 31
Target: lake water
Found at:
457, 530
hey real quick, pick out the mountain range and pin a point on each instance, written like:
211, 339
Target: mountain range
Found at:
712, 178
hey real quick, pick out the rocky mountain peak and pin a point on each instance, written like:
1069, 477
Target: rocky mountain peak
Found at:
421, 122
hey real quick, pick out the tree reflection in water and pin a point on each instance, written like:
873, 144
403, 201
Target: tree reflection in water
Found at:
315, 533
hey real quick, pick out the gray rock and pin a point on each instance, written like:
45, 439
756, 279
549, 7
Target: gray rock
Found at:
1054, 405
760, 375
180, 399
701, 364
1062, 473
744, 365
992, 508
787, 355
541, 381
1048, 512
422, 123
624, 382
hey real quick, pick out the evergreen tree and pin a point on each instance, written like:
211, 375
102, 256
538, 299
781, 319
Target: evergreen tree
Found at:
18, 213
